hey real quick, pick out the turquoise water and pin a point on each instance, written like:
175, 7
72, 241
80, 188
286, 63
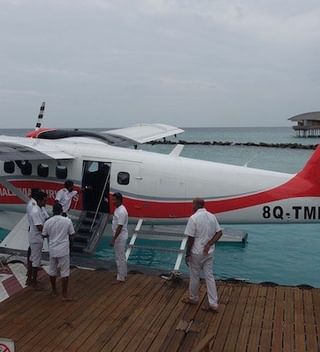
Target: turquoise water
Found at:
284, 254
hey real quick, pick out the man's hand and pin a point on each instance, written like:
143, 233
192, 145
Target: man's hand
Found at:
206, 249
112, 242
187, 259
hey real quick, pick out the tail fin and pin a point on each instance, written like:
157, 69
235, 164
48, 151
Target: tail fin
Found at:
40, 116
311, 171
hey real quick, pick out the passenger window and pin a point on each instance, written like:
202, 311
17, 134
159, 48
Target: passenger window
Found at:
26, 168
8, 167
61, 172
43, 170
123, 178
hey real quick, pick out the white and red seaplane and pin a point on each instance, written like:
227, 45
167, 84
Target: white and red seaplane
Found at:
156, 187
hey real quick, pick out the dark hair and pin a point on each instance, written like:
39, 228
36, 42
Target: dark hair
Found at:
41, 195
68, 184
57, 209
199, 202
34, 192
118, 196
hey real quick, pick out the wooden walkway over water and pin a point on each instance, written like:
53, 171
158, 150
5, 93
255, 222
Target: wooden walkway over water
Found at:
146, 314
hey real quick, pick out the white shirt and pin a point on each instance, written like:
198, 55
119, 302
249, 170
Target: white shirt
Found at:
58, 229
37, 217
120, 217
32, 202
64, 197
202, 225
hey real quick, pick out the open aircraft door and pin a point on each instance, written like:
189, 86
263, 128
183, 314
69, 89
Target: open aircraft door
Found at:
96, 186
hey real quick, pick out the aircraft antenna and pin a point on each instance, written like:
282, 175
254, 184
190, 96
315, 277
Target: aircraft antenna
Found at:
40, 116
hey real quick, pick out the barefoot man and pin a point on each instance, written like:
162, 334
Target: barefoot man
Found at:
58, 229
203, 231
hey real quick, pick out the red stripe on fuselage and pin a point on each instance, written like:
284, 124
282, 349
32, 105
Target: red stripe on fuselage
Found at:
297, 187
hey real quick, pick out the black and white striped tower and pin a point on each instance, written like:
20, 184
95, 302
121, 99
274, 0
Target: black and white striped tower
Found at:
40, 116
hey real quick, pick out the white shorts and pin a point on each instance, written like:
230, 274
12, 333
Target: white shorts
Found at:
62, 263
36, 253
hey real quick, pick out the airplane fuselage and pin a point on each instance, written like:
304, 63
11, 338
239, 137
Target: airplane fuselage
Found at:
160, 188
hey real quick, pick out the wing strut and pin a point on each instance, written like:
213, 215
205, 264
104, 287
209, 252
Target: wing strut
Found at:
14, 189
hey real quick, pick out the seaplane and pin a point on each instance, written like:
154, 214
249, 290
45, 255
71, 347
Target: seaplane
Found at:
157, 188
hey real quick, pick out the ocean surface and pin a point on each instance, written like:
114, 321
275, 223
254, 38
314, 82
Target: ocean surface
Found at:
283, 254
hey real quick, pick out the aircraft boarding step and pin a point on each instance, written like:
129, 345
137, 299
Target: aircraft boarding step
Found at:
89, 230
159, 232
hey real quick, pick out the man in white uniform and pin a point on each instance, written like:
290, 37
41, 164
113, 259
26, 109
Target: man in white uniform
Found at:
203, 232
64, 196
120, 236
38, 216
31, 203
58, 229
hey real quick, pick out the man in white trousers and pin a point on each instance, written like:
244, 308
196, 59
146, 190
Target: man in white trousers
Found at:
203, 231
59, 229
120, 236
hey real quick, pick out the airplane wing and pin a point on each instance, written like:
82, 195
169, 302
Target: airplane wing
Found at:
20, 148
144, 133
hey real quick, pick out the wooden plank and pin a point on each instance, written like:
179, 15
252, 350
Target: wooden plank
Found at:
316, 308
27, 317
91, 323
225, 323
112, 318
244, 331
310, 324
256, 326
79, 319
51, 310
288, 324
142, 315
237, 318
162, 312
124, 333
62, 317
277, 333
299, 334
19, 302
202, 319
267, 320
215, 322
175, 337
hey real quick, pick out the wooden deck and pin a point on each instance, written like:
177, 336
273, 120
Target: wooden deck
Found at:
146, 314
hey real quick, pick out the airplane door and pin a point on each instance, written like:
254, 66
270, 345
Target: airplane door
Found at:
96, 185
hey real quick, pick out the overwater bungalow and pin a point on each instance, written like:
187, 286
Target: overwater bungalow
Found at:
308, 124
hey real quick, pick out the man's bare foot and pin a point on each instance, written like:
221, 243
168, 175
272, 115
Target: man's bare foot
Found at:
68, 299
187, 300
214, 309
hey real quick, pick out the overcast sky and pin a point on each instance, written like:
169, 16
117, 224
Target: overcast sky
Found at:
189, 63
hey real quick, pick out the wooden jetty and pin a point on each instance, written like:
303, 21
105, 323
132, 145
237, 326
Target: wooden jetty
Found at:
146, 314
